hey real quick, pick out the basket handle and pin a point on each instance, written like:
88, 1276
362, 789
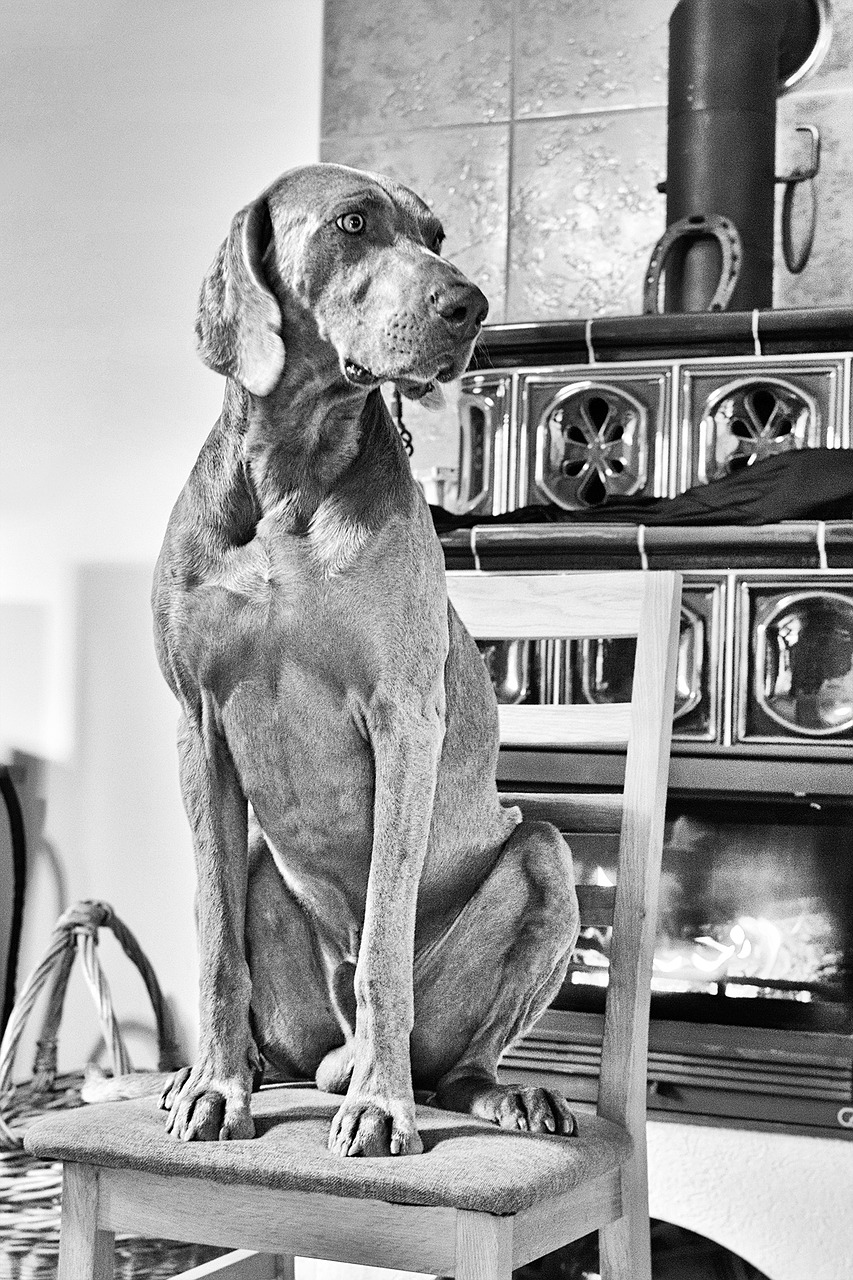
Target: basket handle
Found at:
76, 931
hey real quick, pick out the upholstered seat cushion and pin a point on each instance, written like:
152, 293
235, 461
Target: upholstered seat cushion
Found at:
467, 1164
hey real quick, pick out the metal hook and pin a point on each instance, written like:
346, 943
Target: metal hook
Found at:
794, 260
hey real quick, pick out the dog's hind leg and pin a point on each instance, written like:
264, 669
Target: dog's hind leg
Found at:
487, 979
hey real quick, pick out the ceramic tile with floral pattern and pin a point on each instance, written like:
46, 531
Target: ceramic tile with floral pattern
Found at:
415, 65
584, 213
579, 55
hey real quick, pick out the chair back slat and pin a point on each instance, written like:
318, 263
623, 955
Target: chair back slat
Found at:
530, 606
598, 812
622, 1085
583, 725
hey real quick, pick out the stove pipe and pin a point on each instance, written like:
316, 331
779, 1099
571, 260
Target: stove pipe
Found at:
727, 61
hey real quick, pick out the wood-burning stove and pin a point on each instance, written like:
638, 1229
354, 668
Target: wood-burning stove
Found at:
752, 1004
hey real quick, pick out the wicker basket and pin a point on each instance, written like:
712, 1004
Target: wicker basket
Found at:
30, 1190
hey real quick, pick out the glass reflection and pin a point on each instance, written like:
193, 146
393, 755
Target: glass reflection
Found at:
804, 663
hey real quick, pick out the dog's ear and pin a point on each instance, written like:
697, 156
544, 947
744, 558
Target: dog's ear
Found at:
239, 320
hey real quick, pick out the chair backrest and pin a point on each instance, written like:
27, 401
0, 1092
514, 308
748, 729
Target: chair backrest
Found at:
579, 606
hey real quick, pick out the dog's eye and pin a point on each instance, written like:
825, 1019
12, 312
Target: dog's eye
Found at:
352, 223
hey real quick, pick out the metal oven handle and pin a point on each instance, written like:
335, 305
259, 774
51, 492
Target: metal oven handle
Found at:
470, 448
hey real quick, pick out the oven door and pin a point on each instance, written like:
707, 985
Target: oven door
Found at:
795, 661
752, 996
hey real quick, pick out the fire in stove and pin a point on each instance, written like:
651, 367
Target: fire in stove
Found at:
746, 911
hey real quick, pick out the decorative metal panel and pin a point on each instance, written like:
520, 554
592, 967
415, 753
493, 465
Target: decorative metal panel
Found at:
736, 412
751, 419
591, 444
590, 434
603, 669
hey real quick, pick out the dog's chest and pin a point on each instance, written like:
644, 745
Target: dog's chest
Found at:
284, 648
267, 609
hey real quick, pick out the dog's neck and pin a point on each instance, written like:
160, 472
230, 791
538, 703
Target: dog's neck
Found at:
316, 440
302, 438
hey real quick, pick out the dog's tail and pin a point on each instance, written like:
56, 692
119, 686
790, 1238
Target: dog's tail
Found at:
99, 1087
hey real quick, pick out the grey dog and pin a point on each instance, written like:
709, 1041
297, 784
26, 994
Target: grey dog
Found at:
368, 912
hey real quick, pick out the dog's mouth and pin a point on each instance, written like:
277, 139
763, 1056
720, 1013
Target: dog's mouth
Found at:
359, 376
414, 386
417, 386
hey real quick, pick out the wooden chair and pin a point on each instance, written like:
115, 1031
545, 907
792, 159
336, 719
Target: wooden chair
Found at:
479, 1201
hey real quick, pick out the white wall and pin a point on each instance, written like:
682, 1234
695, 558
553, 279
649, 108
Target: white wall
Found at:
132, 133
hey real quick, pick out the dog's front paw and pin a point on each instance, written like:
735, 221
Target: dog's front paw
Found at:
366, 1126
203, 1108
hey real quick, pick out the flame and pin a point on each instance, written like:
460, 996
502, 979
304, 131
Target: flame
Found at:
708, 964
750, 947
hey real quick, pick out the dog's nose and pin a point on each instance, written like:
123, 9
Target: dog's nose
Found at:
463, 306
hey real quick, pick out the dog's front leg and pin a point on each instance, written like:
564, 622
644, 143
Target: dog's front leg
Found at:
211, 1100
378, 1115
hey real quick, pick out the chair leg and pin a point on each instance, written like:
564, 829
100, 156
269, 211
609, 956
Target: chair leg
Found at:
85, 1253
625, 1245
483, 1246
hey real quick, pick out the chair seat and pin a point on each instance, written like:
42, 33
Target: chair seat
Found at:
467, 1164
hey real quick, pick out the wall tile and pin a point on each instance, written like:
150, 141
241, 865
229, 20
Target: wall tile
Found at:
584, 213
580, 55
827, 280
463, 175
419, 64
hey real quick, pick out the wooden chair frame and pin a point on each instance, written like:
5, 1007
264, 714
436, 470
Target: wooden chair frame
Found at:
587, 606
280, 1225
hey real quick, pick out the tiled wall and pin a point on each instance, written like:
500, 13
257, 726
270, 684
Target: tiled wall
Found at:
537, 128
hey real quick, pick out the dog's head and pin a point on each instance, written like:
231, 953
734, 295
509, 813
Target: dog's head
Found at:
352, 258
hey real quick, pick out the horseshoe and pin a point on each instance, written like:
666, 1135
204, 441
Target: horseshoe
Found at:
697, 227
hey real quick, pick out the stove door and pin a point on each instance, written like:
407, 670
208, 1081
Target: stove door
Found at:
796, 661
754, 905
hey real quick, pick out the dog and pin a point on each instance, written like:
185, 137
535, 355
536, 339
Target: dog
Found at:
368, 913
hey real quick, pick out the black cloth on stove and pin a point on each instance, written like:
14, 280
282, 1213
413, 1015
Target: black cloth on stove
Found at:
804, 484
